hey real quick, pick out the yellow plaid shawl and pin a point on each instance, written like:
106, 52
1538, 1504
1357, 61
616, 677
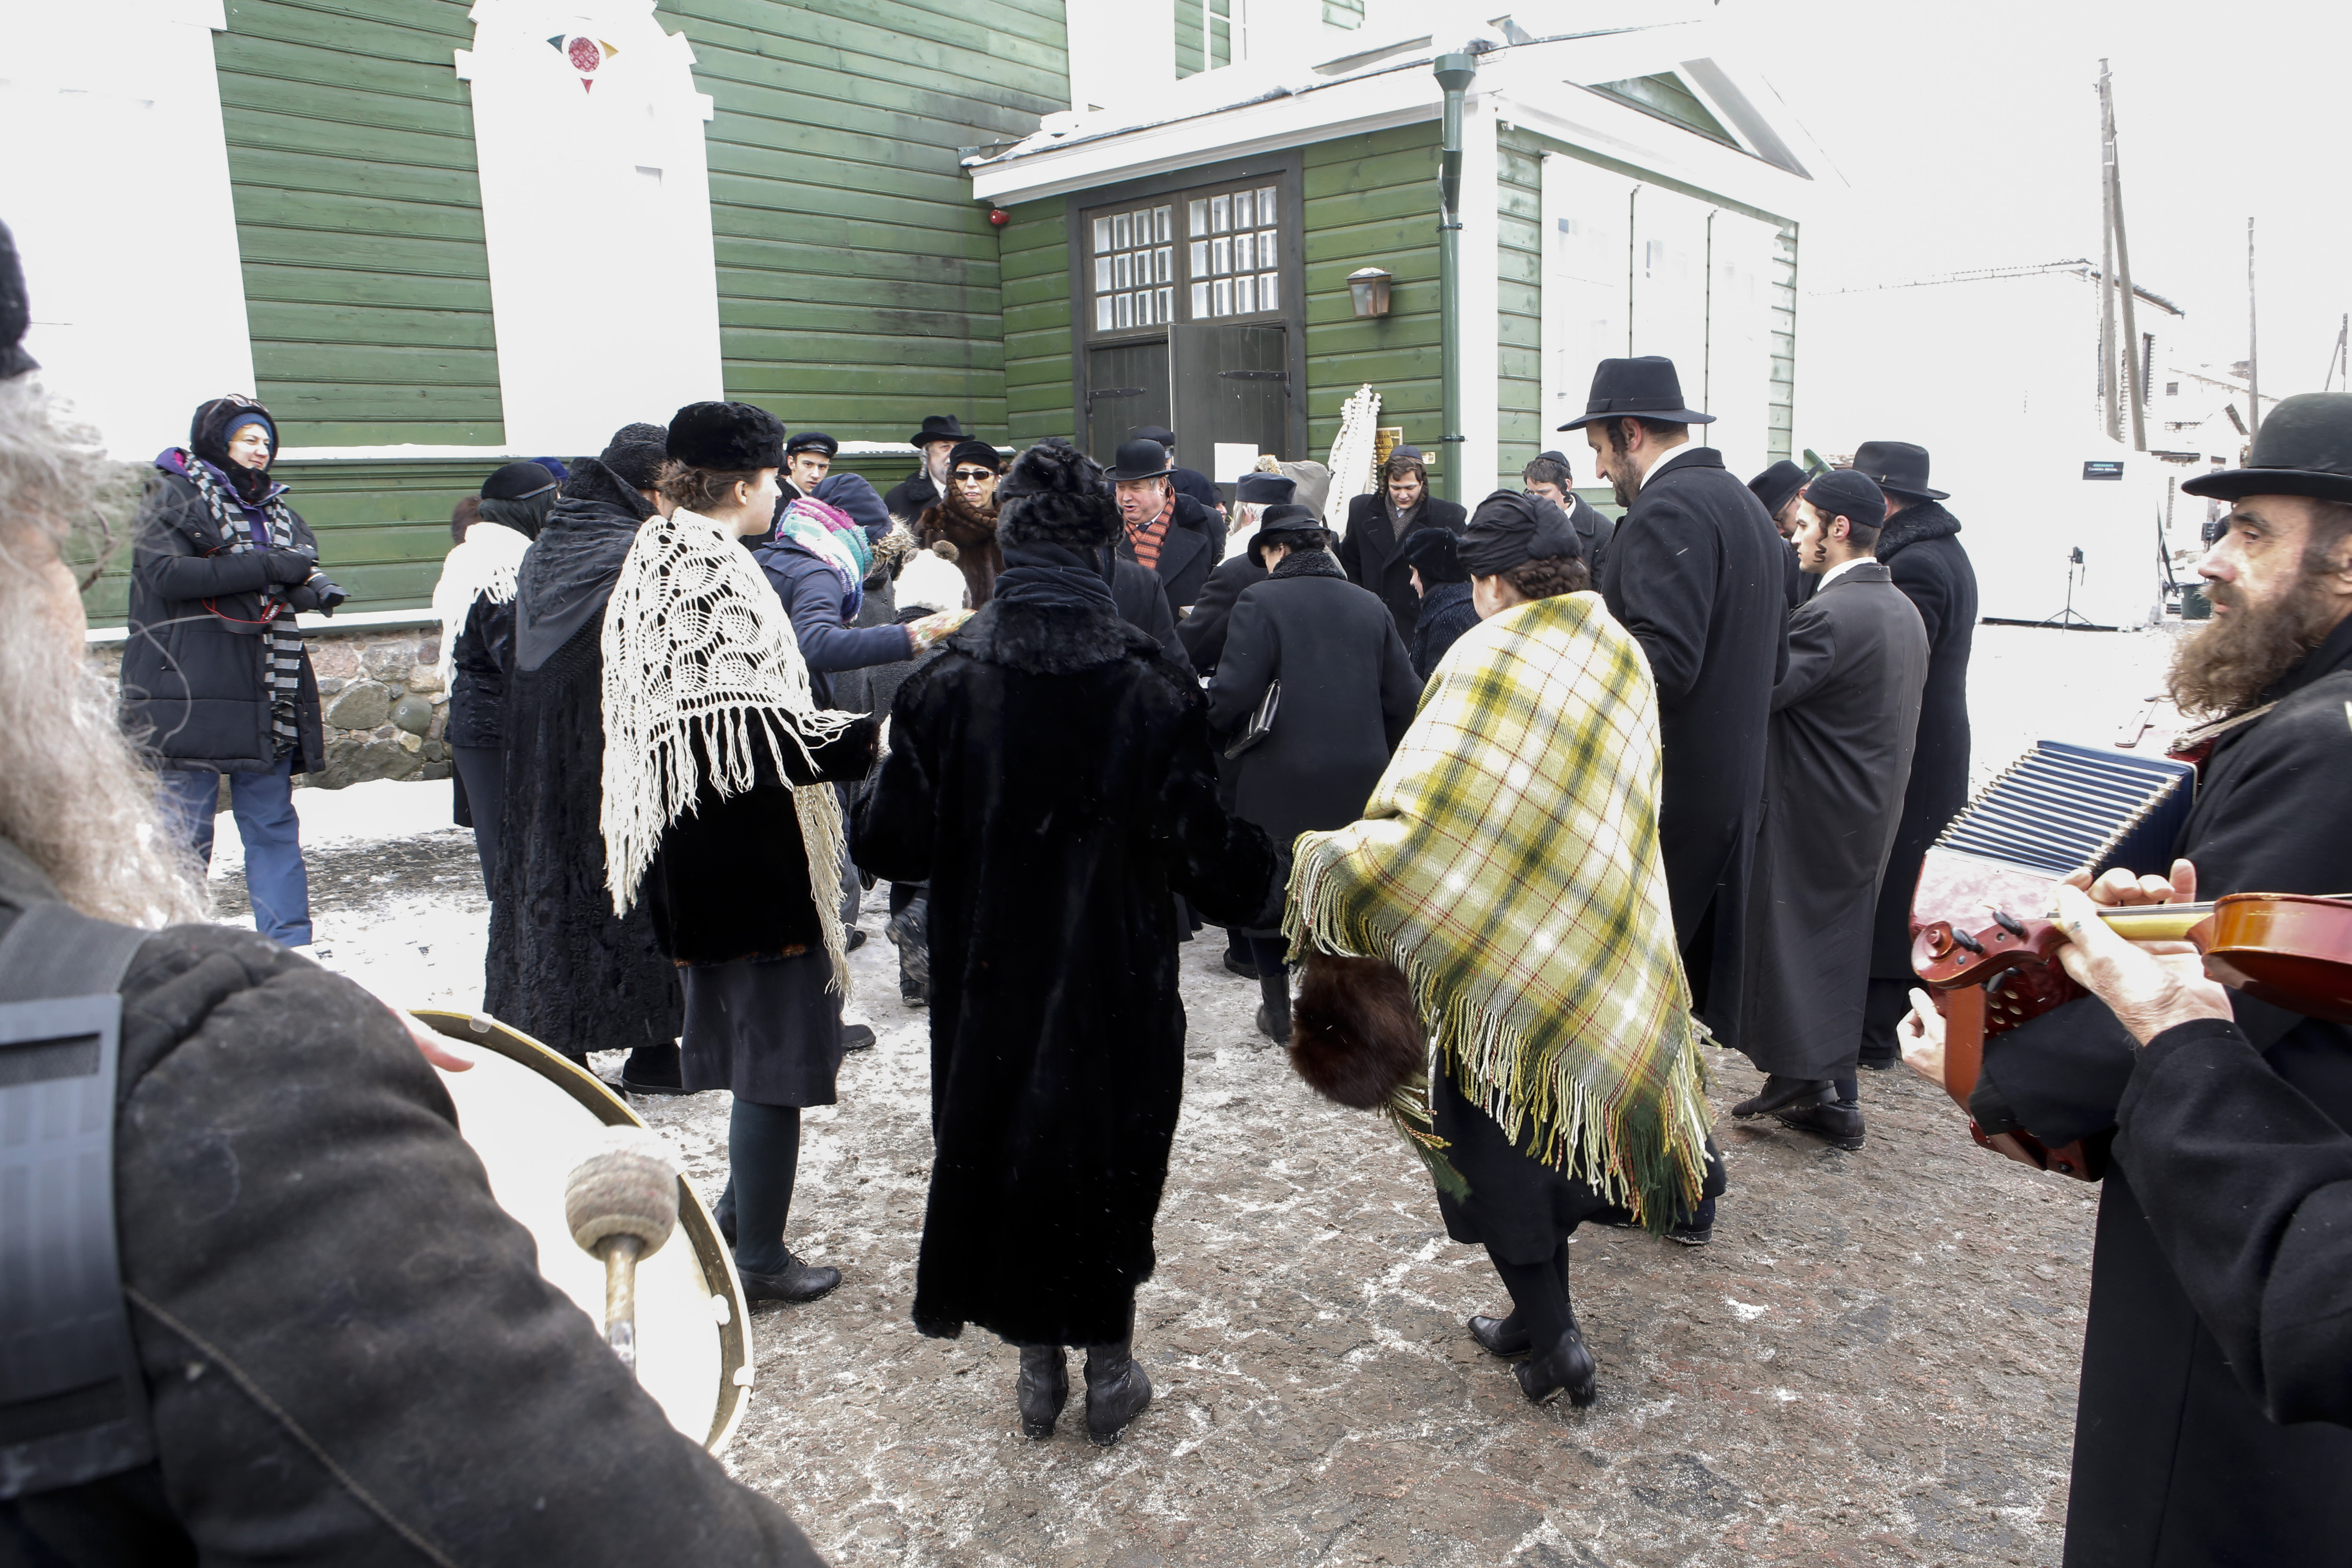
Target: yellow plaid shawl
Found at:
1507, 863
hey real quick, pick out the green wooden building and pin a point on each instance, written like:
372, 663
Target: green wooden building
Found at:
432, 236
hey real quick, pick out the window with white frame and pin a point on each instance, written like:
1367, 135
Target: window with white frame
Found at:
1134, 267
1208, 254
1233, 251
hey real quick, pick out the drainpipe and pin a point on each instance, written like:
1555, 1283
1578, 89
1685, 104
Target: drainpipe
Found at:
1455, 72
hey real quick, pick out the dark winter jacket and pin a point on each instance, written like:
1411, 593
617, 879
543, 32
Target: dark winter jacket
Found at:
1050, 776
1348, 693
1370, 556
818, 602
561, 966
2208, 1328
1928, 563
196, 690
1194, 542
1198, 486
482, 660
1695, 574
972, 531
353, 1358
1446, 613
908, 498
1204, 630
1594, 529
1136, 594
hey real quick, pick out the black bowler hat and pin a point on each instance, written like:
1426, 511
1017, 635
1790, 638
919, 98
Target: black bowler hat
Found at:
1643, 388
939, 427
812, 441
1776, 484
1898, 467
1265, 489
1855, 496
15, 311
2304, 449
1139, 460
516, 481
1159, 433
1293, 526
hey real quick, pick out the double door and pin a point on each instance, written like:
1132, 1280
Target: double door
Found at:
1211, 384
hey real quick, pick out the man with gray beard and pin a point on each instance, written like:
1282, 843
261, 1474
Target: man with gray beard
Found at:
296, 1299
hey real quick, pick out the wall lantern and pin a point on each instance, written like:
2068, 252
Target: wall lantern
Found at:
1370, 287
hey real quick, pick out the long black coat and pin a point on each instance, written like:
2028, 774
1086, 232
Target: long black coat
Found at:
1842, 722
481, 660
1930, 566
1694, 574
1049, 776
194, 687
1204, 631
1349, 694
1193, 543
1447, 612
1594, 529
2175, 1462
908, 499
1369, 551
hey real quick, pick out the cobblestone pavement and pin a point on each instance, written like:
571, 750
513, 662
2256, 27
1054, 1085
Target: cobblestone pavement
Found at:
1874, 1363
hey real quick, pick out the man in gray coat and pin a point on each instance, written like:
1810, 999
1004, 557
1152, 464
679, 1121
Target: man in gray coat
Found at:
1844, 718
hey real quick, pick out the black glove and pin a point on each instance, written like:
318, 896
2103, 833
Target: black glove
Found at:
287, 567
329, 595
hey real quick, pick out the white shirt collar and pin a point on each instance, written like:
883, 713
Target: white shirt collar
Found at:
1838, 571
1685, 450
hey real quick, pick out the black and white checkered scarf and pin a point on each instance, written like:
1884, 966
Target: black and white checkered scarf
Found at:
280, 636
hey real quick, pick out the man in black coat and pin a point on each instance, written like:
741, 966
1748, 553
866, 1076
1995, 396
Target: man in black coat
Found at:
1378, 524
1172, 534
1348, 693
1917, 547
2211, 1421
1778, 488
1204, 631
1842, 723
1551, 477
1695, 576
941, 434
1187, 481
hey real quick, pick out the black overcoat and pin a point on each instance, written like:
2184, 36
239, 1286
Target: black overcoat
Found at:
1928, 563
1594, 529
2175, 1462
1843, 721
1695, 574
1447, 612
1204, 631
1369, 551
908, 499
1049, 776
1194, 542
1349, 694
195, 685
481, 662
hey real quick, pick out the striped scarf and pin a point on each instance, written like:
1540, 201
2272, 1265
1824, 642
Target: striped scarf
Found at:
1144, 537
279, 636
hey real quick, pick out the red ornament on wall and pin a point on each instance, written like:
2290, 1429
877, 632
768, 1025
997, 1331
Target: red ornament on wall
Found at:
999, 216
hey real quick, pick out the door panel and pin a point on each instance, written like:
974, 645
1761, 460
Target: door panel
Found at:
1127, 386
1230, 385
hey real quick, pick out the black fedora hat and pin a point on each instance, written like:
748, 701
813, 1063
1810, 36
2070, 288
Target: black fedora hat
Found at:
1292, 525
1139, 460
1898, 467
2304, 449
1777, 484
939, 427
1643, 388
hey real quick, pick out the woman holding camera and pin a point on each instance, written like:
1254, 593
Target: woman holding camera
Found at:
215, 679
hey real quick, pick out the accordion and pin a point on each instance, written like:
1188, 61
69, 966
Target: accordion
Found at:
1980, 940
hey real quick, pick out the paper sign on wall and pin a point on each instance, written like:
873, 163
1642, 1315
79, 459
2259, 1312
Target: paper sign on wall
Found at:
1233, 459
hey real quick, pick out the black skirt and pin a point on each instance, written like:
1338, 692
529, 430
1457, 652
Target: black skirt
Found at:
766, 1029
1518, 1207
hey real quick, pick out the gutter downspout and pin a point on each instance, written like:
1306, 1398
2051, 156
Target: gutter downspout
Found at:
1455, 72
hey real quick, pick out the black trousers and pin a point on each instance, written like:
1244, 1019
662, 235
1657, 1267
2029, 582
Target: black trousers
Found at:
482, 770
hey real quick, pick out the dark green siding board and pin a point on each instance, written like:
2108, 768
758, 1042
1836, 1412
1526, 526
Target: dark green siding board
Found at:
1372, 200
359, 217
1518, 389
1191, 18
1038, 335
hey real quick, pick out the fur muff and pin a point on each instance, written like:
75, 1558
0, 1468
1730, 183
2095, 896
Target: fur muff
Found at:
1055, 494
1355, 1035
726, 438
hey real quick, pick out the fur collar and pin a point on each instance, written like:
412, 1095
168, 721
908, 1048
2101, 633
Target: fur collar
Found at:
1307, 564
953, 518
1915, 525
1049, 639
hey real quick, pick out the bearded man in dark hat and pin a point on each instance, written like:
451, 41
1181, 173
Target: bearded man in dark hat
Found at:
939, 434
2215, 1421
1919, 548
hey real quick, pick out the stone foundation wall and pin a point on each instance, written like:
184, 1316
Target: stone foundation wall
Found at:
382, 699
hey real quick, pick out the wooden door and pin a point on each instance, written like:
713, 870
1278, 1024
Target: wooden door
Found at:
1230, 384
1127, 386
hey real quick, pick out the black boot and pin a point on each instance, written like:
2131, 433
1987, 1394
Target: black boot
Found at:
1781, 1093
913, 989
653, 1069
1567, 1368
1042, 1388
1117, 1390
1504, 1337
1274, 1012
910, 929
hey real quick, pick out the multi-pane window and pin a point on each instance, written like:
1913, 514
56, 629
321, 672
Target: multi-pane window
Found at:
1233, 252
1134, 258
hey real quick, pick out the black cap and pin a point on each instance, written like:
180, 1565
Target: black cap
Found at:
15, 311
1436, 554
516, 481
812, 441
1642, 388
1265, 489
2304, 449
1777, 484
1139, 460
1897, 466
1849, 494
979, 452
1159, 433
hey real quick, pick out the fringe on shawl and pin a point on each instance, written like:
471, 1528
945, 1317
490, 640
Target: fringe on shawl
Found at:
1648, 1165
481, 566
654, 761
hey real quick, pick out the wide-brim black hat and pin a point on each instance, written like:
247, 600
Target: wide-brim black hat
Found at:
939, 427
727, 438
1897, 466
2304, 449
1291, 525
1139, 460
1642, 388
1776, 484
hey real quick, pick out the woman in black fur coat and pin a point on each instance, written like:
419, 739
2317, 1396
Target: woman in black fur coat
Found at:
1050, 776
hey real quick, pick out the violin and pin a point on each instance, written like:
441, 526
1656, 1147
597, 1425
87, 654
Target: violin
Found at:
2292, 949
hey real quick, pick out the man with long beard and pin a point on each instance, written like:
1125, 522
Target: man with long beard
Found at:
294, 1323
2211, 1425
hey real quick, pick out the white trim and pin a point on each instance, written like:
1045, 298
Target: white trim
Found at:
1587, 119
1480, 299
359, 620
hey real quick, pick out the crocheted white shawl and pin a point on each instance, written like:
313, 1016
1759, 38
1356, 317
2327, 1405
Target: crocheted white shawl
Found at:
698, 649
482, 565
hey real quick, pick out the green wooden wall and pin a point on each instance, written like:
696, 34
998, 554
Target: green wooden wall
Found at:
351, 154
1372, 200
1035, 257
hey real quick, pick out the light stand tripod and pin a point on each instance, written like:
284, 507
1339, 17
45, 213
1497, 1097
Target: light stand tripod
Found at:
2067, 617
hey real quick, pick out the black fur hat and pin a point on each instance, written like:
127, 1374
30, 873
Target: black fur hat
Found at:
727, 438
1056, 495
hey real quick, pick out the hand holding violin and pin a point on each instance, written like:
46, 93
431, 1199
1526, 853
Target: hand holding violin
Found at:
2148, 986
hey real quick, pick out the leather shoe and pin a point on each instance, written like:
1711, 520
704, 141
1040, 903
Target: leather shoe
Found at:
1834, 1120
1567, 1368
1042, 1389
852, 940
1504, 1337
857, 1037
1877, 1063
796, 1282
1779, 1092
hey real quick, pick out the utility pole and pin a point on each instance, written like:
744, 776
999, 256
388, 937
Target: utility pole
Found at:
2337, 359
2134, 389
2107, 404
2254, 366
